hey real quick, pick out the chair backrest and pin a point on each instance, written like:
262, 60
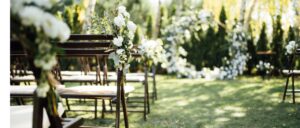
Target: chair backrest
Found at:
84, 46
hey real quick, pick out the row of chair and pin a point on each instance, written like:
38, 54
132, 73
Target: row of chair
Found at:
93, 46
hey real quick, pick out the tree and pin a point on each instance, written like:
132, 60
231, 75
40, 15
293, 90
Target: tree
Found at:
208, 44
251, 63
149, 31
262, 43
221, 44
277, 45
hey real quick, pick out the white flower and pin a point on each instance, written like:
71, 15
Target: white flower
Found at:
44, 47
205, 16
131, 35
115, 58
118, 41
291, 47
122, 9
120, 51
119, 21
45, 62
182, 51
131, 26
64, 32
32, 15
42, 89
50, 26
16, 6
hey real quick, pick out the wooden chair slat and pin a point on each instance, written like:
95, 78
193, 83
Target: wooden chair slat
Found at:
83, 44
90, 37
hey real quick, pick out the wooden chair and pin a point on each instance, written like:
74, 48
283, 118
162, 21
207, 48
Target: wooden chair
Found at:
92, 48
291, 73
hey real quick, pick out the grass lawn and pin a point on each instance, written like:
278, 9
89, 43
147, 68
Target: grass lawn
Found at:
248, 102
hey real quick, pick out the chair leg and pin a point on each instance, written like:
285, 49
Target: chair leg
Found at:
103, 109
110, 105
118, 107
148, 100
124, 107
293, 88
145, 103
285, 89
155, 89
96, 104
68, 105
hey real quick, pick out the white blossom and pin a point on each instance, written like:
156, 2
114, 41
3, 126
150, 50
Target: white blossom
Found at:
291, 47
120, 51
31, 15
118, 41
131, 26
119, 21
115, 58
42, 89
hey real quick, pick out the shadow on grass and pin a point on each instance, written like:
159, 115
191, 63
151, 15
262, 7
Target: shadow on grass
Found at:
248, 102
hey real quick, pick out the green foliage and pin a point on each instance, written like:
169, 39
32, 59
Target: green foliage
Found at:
195, 50
262, 43
291, 35
137, 36
252, 62
221, 44
71, 16
277, 44
150, 26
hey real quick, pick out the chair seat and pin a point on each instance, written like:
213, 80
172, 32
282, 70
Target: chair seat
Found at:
128, 78
21, 116
25, 90
92, 91
79, 78
27, 78
295, 72
73, 92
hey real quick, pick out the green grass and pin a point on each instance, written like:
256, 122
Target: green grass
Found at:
247, 102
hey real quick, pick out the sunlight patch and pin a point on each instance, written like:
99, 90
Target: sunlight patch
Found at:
238, 114
219, 111
233, 108
222, 119
182, 103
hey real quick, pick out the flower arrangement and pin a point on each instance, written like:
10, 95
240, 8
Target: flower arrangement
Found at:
153, 51
36, 24
264, 68
291, 47
122, 42
178, 33
238, 54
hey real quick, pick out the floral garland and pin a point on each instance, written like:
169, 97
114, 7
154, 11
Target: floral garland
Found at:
238, 54
123, 41
176, 34
153, 51
36, 17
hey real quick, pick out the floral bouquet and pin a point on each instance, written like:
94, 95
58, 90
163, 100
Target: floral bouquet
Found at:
264, 68
34, 24
153, 52
122, 43
291, 47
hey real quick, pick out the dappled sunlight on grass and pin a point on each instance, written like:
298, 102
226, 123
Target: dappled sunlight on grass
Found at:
247, 102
